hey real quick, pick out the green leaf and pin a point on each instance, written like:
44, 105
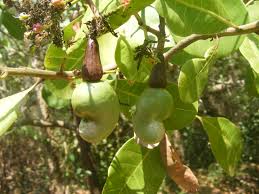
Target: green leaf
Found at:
69, 32
250, 50
118, 13
227, 45
181, 57
225, 140
114, 12
107, 45
56, 56
253, 11
60, 88
8, 111
128, 94
135, 169
252, 82
197, 21
182, 114
193, 79
124, 56
185, 17
194, 76
13, 25
52, 100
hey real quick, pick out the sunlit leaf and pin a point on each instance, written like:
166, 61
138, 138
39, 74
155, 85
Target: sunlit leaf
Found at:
128, 93
252, 82
182, 113
194, 76
13, 25
9, 106
130, 170
250, 50
185, 17
253, 11
60, 88
225, 140
52, 100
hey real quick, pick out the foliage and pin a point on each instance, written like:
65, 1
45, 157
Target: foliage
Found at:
132, 42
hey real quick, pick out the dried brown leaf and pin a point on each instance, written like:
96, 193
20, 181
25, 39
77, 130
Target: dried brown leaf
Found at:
181, 174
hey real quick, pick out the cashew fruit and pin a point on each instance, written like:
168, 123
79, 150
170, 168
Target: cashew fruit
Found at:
98, 106
153, 107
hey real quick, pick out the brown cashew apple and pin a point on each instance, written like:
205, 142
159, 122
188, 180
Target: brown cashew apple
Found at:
153, 107
98, 106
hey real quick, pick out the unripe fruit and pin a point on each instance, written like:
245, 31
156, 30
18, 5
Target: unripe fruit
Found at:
98, 105
149, 131
153, 107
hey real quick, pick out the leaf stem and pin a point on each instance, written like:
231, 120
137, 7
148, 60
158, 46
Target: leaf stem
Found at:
145, 27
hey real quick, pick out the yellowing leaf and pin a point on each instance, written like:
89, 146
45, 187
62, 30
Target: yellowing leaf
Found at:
8, 111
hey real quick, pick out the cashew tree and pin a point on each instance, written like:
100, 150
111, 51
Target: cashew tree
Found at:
146, 60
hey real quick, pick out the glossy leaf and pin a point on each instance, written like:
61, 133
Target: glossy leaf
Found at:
181, 57
60, 88
253, 11
107, 45
227, 45
182, 114
194, 76
128, 94
250, 50
124, 56
193, 79
225, 140
55, 57
185, 17
13, 25
204, 17
130, 170
69, 32
125, 59
52, 100
121, 10
116, 14
252, 82
9, 106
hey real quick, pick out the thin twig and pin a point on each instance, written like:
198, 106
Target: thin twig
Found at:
249, 2
46, 74
243, 29
43, 123
93, 8
145, 27
161, 37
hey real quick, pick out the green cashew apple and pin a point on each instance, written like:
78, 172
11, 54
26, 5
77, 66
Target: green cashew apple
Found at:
98, 105
153, 107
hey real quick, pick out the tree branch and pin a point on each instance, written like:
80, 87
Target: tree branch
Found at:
145, 27
243, 29
46, 74
42, 123
93, 8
